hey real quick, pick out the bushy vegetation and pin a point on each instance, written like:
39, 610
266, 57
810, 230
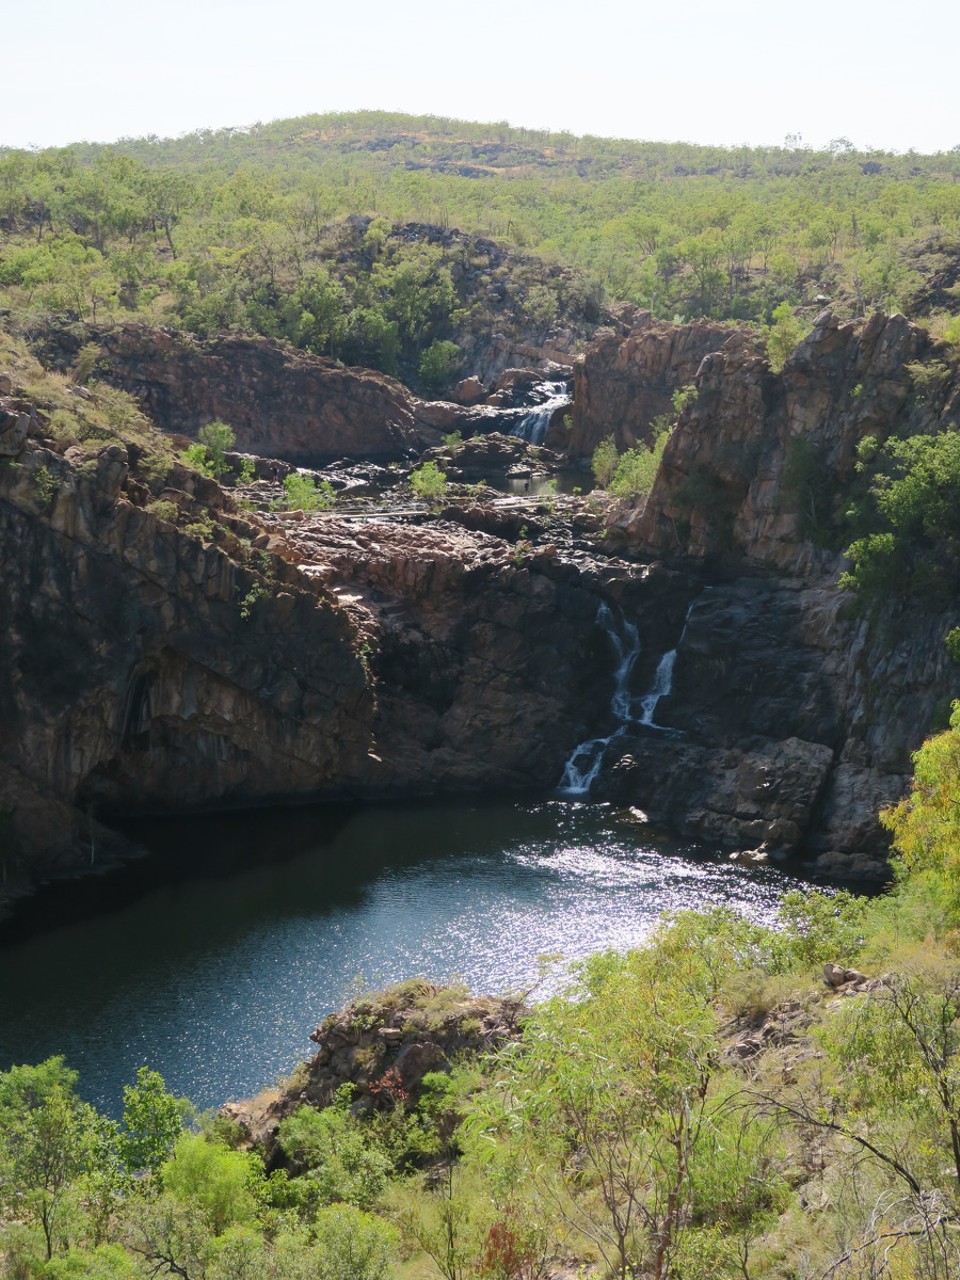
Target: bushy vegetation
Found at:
700, 1109
908, 520
335, 232
303, 492
428, 482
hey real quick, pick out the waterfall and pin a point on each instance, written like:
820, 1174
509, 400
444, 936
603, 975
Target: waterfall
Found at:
585, 760
662, 684
531, 424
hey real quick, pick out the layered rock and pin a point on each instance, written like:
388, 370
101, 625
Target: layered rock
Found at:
382, 1046
621, 383
164, 651
792, 717
280, 401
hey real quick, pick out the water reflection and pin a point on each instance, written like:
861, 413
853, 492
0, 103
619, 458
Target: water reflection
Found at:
218, 977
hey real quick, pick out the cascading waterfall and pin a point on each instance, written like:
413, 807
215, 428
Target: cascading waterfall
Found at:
531, 424
584, 763
663, 680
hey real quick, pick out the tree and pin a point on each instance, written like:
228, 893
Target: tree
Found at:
439, 363
604, 461
783, 335
608, 1107
303, 493
48, 1140
217, 437
428, 482
926, 823
152, 1122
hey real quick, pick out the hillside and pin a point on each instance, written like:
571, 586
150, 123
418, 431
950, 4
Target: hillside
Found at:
256, 229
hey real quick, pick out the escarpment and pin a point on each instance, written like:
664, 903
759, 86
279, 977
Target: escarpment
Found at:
167, 649
792, 713
164, 649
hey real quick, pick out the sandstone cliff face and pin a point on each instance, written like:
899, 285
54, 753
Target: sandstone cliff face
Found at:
153, 664
725, 483
279, 401
621, 383
793, 717
133, 677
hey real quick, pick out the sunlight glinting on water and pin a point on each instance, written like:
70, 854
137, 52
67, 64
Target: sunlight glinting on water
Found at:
218, 984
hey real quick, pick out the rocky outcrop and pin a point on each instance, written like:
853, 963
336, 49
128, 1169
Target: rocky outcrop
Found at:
280, 401
757, 459
791, 718
621, 383
383, 1046
139, 672
165, 651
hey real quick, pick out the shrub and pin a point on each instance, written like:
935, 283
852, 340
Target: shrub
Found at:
303, 493
783, 335
637, 470
604, 461
429, 482
439, 363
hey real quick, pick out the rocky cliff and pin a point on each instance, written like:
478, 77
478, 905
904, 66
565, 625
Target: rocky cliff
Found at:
623, 381
792, 715
279, 401
163, 649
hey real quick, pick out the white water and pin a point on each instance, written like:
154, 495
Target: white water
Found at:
532, 424
584, 763
585, 760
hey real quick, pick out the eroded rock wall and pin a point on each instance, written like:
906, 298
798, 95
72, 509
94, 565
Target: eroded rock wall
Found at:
793, 715
280, 402
622, 382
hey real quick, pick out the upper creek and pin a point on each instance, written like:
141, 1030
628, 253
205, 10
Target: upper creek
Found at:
214, 960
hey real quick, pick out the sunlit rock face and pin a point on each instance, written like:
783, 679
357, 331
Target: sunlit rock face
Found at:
794, 716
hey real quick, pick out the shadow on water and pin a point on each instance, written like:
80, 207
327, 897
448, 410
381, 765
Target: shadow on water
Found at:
213, 959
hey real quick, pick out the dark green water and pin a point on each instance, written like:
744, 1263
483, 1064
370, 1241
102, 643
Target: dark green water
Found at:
272, 920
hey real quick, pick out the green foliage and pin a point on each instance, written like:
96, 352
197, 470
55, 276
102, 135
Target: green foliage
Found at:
248, 604
783, 335
810, 488
910, 520
612, 1107
164, 509
303, 493
927, 377
47, 486
926, 824
198, 457
341, 1162
604, 461
438, 364
817, 927
353, 1245
636, 470
681, 398
152, 1122
49, 1141
220, 1184
218, 437
429, 482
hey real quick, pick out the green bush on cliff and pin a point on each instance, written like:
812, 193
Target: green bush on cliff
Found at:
909, 521
428, 482
636, 469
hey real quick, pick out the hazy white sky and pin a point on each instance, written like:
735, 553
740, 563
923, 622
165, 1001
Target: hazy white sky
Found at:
721, 71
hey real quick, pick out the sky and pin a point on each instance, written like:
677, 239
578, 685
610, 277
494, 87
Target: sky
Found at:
709, 71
